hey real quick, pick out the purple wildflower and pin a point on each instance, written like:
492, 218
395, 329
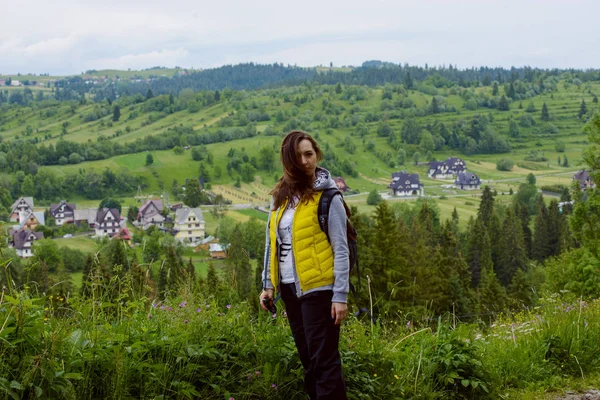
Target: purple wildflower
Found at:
257, 372
274, 386
162, 307
185, 321
228, 306
249, 376
154, 305
285, 314
408, 324
170, 308
183, 304
198, 310
274, 315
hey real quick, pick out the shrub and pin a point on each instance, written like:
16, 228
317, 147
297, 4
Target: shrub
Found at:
505, 164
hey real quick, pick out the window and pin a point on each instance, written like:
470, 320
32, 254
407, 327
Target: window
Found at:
189, 232
189, 225
105, 231
197, 225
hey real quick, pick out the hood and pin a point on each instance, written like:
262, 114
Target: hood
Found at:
323, 180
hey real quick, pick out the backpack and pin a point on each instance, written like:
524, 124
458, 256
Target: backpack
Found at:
351, 234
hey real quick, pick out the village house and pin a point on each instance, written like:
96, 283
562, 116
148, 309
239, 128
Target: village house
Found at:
446, 169
584, 179
189, 225
107, 222
124, 235
405, 184
341, 184
86, 215
22, 241
467, 181
63, 212
30, 220
205, 243
217, 251
151, 214
23, 204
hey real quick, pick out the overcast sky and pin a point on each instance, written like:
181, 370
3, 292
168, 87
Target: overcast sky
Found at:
71, 36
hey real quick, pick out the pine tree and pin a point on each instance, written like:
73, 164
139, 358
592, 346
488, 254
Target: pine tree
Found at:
545, 113
213, 282
116, 113
521, 291
479, 252
522, 212
565, 161
541, 244
512, 255
513, 129
191, 272
435, 108
582, 109
495, 89
503, 104
486, 207
492, 296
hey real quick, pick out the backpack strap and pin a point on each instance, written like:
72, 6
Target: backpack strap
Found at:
323, 209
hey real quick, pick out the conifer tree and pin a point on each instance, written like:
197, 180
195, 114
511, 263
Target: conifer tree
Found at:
213, 282
541, 242
521, 291
486, 207
582, 109
495, 89
435, 108
386, 265
545, 113
492, 296
191, 271
479, 252
522, 212
511, 255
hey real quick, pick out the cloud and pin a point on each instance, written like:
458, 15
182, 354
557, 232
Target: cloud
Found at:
163, 57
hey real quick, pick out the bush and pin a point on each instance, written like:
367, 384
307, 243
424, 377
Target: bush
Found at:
374, 198
505, 164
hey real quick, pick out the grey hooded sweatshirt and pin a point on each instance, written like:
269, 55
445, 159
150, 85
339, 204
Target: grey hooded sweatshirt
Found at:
339, 244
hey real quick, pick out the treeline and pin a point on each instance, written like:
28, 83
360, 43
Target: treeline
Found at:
255, 76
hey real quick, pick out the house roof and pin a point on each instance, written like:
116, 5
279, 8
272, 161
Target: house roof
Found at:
452, 165
582, 175
216, 247
102, 214
182, 214
156, 202
23, 236
86, 214
28, 200
467, 178
404, 181
38, 215
54, 207
123, 234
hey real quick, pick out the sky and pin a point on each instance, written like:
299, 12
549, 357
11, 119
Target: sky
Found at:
65, 37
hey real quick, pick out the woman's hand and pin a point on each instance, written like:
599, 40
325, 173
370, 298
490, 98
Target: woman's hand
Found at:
266, 294
339, 312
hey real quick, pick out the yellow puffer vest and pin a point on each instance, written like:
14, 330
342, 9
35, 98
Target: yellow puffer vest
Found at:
313, 255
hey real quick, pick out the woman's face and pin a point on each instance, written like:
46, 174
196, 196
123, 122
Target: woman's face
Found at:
307, 157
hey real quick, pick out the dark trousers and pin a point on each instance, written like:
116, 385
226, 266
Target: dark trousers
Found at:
317, 339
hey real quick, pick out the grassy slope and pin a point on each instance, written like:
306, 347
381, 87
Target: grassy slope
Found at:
563, 106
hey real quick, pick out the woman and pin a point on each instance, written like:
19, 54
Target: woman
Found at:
309, 271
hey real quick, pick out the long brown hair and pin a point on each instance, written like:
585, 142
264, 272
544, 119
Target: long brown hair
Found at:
294, 180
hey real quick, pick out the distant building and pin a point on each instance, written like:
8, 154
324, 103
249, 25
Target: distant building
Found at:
30, 220
341, 184
584, 179
405, 184
124, 235
21, 205
189, 226
446, 169
22, 241
467, 181
107, 222
151, 214
217, 251
63, 212
87, 215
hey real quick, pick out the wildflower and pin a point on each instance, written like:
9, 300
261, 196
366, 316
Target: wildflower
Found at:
183, 303
257, 372
274, 315
375, 375
396, 376
208, 306
198, 310
249, 376
231, 398
185, 321
228, 306
170, 308
46, 309
154, 305
274, 386
408, 324
285, 314
51, 297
